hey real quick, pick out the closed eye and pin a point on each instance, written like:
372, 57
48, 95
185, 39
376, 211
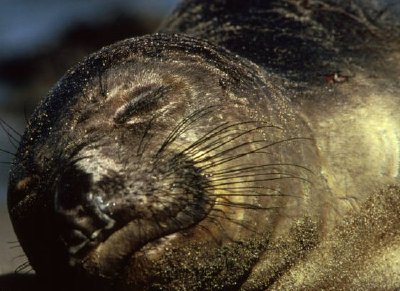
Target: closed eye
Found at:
144, 100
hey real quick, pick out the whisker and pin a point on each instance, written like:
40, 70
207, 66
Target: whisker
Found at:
209, 232
217, 131
235, 222
245, 192
224, 152
225, 160
239, 187
183, 125
217, 223
244, 169
241, 194
254, 195
221, 144
232, 176
247, 206
146, 132
259, 180
7, 152
3, 122
203, 138
10, 138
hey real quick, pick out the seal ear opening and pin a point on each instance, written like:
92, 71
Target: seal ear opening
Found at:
143, 100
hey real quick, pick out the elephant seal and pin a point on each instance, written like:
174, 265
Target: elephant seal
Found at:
248, 145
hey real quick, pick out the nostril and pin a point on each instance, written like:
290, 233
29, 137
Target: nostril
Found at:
73, 186
79, 215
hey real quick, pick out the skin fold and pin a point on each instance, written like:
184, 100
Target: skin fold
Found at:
248, 145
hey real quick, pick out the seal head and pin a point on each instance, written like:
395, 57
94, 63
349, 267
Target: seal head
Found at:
129, 156
167, 162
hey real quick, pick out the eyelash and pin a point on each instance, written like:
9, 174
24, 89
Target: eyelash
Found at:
144, 101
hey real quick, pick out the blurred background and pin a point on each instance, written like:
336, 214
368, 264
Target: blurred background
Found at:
39, 41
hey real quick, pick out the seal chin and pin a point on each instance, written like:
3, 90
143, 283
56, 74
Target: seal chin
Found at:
103, 224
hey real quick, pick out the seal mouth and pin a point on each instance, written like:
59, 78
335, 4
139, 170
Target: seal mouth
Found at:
102, 224
123, 243
84, 228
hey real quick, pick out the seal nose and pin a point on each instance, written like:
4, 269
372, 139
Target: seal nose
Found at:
80, 217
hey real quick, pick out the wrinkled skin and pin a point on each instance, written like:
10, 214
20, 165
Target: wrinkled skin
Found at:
255, 152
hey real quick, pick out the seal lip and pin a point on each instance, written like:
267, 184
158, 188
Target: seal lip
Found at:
125, 228
112, 253
135, 234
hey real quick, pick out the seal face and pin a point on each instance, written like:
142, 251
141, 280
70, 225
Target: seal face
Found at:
167, 162
140, 159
